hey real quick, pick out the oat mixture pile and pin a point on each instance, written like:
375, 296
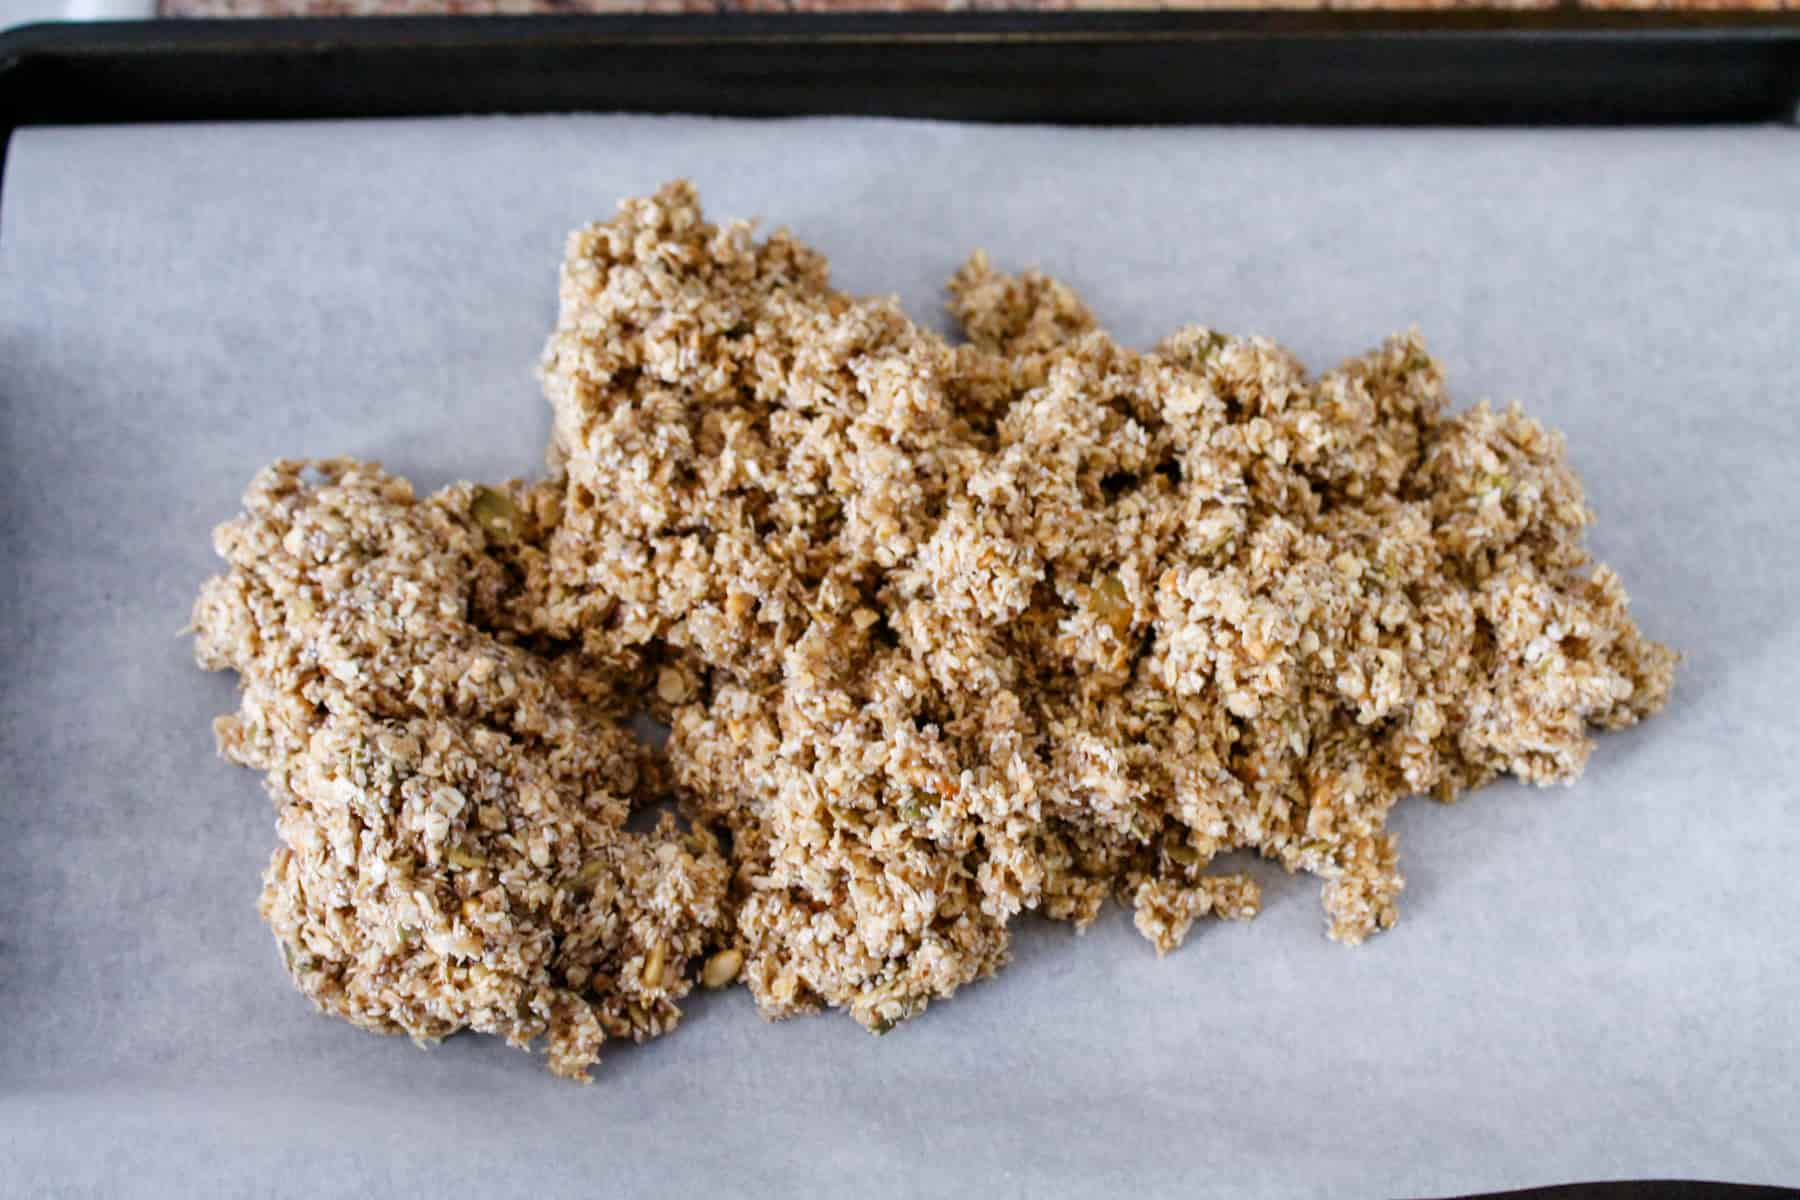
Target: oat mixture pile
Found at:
944, 633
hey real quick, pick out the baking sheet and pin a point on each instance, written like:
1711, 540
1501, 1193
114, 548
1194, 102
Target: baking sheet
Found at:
1585, 983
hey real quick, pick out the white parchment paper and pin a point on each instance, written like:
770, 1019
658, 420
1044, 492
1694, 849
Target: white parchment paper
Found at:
1593, 982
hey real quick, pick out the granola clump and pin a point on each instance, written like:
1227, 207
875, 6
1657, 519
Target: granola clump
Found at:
943, 633
451, 802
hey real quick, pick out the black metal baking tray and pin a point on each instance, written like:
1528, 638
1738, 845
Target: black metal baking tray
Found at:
1317, 67
1327, 68
1464, 67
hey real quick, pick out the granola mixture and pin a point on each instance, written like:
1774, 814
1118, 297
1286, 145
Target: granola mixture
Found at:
944, 633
